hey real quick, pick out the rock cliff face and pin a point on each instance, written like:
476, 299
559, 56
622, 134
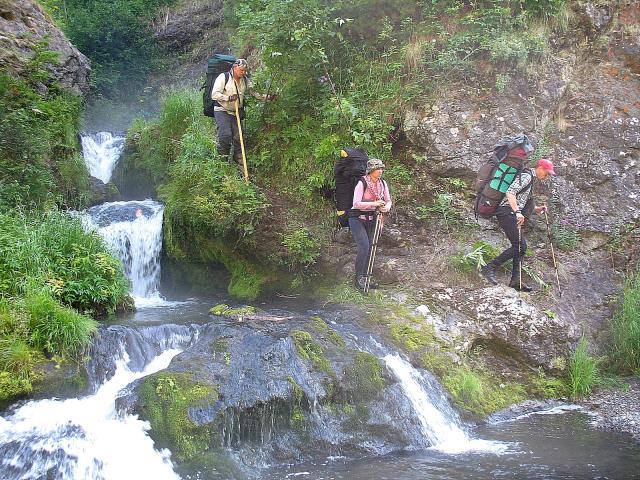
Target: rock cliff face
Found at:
22, 25
581, 105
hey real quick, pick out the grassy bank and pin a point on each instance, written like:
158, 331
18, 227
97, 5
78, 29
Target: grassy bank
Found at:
50, 271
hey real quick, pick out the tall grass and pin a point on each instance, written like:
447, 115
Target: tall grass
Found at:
583, 370
56, 329
52, 251
625, 329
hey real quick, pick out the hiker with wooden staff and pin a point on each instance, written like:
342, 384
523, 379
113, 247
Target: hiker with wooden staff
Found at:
229, 92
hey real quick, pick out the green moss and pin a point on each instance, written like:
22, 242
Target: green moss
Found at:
311, 350
544, 386
364, 377
296, 416
437, 362
226, 311
413, 339
357, 416
165, 402
248, 280
328, 333
480, 392
13, 386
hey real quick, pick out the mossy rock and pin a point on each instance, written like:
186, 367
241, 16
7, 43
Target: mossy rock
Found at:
309, 349
224, 310
364, 378
165, 400
248, 280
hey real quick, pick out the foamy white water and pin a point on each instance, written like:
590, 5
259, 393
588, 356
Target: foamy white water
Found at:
101, 152
133, 231
440, 424
84, 438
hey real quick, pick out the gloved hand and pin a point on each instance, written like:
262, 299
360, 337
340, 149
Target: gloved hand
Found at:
233, 98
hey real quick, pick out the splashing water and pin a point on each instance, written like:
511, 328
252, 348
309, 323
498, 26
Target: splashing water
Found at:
84, 438
101, 153
440, 423
133, 230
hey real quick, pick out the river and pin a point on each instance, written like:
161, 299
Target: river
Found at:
89, 438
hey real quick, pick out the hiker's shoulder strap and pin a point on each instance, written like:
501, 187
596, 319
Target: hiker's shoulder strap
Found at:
529, 184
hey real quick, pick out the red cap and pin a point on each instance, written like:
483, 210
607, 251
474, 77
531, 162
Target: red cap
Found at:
547, 165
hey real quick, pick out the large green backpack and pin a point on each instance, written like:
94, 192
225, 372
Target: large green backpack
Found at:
217, 64
498, 173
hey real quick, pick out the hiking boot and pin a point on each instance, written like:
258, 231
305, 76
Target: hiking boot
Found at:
515, 284
360, 283
489, 272
238, 159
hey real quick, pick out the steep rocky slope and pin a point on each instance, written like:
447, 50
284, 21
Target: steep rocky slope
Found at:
24, 24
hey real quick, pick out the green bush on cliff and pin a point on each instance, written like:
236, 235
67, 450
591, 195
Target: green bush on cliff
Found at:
39, 150
116, 36
52, 251
625, 329
583, 370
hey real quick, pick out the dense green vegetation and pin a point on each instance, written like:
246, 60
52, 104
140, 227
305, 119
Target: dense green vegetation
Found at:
40, 161
625, 329
342, 78
116, 36
49, 270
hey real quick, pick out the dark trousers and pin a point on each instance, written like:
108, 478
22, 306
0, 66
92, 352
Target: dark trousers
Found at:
227, 134
509, 224
362, 231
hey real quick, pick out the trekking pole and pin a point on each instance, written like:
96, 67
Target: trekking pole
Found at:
519, 257
244, 157
372, 252
553, 254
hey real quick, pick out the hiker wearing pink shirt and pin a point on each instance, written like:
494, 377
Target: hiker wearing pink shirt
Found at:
370, 197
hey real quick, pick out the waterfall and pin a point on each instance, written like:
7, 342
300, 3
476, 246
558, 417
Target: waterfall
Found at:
133, 230
439, 422
101, 152
84, 438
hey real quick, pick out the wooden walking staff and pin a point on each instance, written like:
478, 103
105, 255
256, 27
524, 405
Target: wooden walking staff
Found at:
244, 157
553, 253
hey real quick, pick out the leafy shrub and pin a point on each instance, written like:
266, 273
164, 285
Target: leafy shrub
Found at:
38, 143
302, 249
57, 329
115, 35
583, 370
481, 254
625, 329
53, 251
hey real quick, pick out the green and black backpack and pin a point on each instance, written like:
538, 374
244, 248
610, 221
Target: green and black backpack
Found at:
498, 173
217, 64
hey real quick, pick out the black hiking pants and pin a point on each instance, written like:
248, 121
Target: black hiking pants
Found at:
509, 224
362, 231
228, 134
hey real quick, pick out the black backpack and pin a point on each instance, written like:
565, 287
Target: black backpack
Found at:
498, 173
348, 171
217, 64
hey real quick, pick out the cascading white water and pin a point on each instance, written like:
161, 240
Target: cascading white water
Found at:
101, 152
84, 438
439, 421
133, 230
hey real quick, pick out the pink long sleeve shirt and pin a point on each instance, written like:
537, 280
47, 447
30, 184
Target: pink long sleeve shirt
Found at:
364, 198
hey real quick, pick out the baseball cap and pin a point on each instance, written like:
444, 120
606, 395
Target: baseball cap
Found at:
547, 165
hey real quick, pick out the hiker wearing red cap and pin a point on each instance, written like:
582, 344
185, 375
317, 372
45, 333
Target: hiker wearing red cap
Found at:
517, 205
